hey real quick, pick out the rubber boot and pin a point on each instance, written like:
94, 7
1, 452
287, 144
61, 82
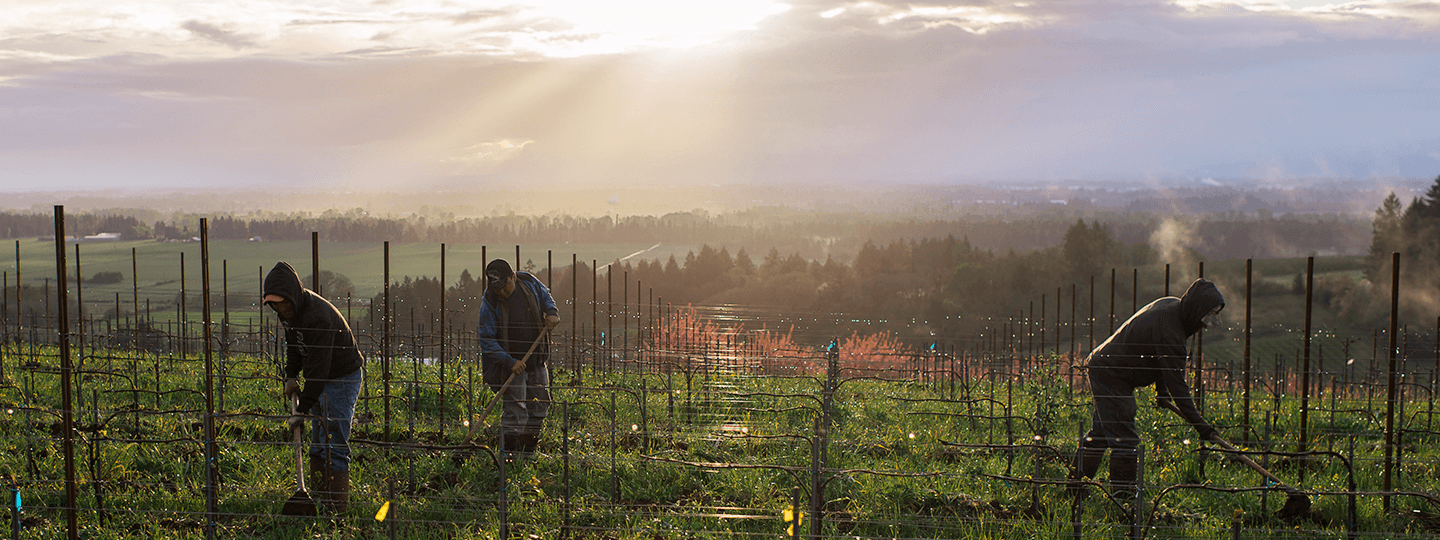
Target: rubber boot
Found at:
524, 446
513, 447
1086, 462
318, 480
338, 489
1085, 465
529, 443
319, 483
1123, 464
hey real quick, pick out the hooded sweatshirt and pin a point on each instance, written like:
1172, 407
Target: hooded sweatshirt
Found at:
318, 341
1150, 347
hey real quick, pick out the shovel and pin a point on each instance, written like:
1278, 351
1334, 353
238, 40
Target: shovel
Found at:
300, 503
1297, 503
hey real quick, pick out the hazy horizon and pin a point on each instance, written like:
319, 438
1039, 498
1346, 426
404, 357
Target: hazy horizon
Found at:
1357, 200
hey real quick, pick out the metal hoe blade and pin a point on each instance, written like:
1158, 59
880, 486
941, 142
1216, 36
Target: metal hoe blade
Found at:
299, 504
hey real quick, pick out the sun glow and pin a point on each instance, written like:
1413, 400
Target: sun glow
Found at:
610, 27
978, 20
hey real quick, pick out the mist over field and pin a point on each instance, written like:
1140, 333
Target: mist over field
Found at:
897, 253
1017, 200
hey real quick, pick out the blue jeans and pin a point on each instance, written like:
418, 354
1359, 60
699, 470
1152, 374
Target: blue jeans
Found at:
330, 434
526, 403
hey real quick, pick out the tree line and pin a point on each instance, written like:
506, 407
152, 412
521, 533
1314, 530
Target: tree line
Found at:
932, 279
947, 283
1414, 232
810, 235
910, 270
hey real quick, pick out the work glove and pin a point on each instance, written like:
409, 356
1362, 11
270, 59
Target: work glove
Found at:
1163, 402
296, 421
292, 388
518, 368
551, 321
1208, 432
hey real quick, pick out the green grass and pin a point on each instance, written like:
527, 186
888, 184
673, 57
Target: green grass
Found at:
906, 459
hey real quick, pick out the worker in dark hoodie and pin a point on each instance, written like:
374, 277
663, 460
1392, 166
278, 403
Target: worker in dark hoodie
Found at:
515, 316
1148, 349
319, 347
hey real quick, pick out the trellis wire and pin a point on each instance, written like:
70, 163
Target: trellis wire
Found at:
667, 343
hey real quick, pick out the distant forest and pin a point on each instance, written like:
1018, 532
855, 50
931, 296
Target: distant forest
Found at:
947, 279
930, 279
815, 236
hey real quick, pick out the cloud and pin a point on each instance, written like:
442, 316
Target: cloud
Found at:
482, 15
485, 157
970, 18
872, 91
225, 36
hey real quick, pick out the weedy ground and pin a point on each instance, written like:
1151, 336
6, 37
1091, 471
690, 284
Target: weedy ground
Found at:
697, 454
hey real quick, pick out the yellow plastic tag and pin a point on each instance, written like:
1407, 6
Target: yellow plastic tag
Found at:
384, 510
794, 517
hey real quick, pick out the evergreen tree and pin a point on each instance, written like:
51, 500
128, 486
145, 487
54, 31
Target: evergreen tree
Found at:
1385, 236
1415, 233
744, 264
1087, 250
1421, 224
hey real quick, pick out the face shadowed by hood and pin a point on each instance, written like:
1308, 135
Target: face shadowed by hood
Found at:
1199, 300
284, 281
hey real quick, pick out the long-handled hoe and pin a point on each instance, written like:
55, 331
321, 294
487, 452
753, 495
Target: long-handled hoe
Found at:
1297, 503
300, 503
470, 435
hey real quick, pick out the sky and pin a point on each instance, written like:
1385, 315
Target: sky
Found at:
470, 94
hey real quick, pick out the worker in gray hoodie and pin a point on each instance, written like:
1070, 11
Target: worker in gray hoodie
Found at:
319, 347
1148, 349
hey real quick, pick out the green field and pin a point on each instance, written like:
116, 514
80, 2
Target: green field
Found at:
242, 265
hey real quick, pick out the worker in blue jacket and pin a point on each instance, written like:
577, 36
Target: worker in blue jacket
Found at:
516, 316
